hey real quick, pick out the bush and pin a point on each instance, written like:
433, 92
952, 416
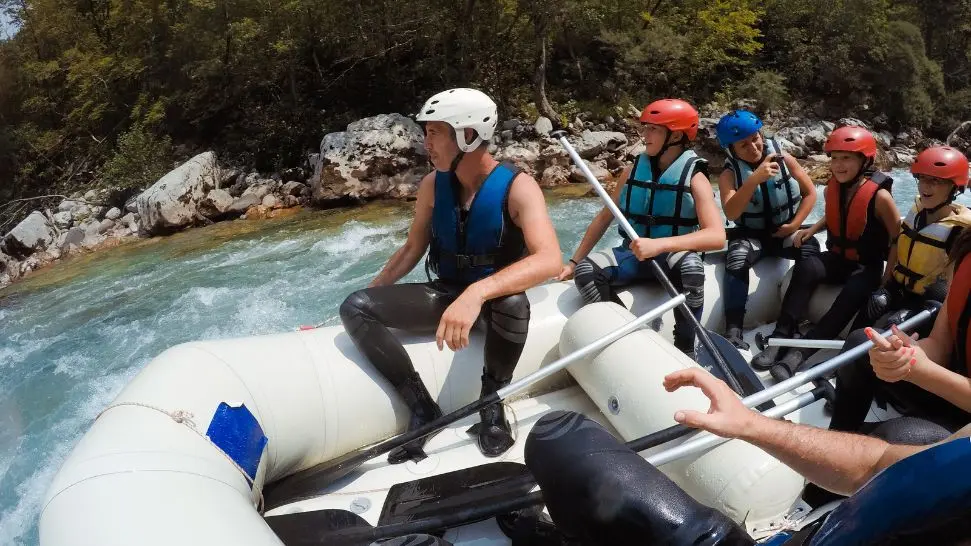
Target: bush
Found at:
767, 88
953, 110
139, 160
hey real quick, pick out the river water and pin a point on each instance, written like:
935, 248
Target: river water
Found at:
73, 335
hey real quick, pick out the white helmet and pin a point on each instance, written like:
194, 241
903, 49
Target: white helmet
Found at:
463, 108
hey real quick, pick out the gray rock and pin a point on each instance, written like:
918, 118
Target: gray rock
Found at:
67, 205
105, 225
291, 201
28, 265
113, 213
271, 202
72, 238
506, 135
98, 212
380, 156
215, 204
543, 126
9, 268
92, 240
884, 138
599, 171
293, 188
828, 126
609, 120
132, 205
63, 219
900, 156
790, 148
815, 139
90, 226
511, 124
522, 154
227, 177
52, 254
91, 196
851, 122
591, 143
555, 175
171, 202
31, 234
819, 158
130, 221
260, 190
243, 203
82, 212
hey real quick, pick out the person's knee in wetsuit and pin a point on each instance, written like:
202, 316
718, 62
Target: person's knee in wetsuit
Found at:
689, 277
600, 492
742, 255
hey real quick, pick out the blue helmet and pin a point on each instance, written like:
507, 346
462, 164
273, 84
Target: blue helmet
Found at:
735, 126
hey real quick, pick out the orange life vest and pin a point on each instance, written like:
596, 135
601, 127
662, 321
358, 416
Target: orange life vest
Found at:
845, 232
959, 312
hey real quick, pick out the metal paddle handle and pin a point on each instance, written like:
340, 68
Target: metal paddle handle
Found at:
703, 336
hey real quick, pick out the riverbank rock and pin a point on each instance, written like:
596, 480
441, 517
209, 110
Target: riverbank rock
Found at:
33, 233
241, 205
381, 156
271, 202
63, 219
215, 204
113, 213
71, 239
555, 175
524, 155
590, 144
293, 188
170, 203
599, 172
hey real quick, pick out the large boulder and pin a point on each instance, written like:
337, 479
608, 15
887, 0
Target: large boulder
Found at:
381, 156
71, 239
599, 172
590, 144
113, 213
170, 203
543, 126
522, 154
260, 190
215, 204
30, 235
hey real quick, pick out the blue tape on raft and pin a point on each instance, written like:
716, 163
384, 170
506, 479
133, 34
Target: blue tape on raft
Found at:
239, 435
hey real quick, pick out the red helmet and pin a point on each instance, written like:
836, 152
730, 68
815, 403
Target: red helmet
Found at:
942, 162
675, 114
852, 139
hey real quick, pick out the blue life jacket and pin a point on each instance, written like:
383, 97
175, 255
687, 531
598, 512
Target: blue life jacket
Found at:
923, 492
661, 207
776, 200
467, 246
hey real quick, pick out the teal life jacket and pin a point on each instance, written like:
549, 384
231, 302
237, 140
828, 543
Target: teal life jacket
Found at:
776, 200
661, 207
467, 246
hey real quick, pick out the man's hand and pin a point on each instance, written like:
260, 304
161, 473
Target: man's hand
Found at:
727, 417
645, 248
457, 322
894, 358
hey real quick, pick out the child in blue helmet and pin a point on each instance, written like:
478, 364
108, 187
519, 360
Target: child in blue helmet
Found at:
768, 195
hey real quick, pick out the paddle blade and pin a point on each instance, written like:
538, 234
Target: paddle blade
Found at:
456, 492
750, 382
311, 482
308, 528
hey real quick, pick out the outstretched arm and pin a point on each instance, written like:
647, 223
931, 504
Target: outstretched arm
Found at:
407, 257
711, 236
838, 461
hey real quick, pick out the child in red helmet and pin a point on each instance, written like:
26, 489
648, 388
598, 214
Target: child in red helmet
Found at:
861, 220
667, 198
929, 233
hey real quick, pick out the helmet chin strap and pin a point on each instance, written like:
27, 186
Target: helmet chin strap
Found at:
667, 144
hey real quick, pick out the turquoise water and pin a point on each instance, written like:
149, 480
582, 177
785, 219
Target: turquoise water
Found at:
74, 335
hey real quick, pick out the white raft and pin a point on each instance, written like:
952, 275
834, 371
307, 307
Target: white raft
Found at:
147, 473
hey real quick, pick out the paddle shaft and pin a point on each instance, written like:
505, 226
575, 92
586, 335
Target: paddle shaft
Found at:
796, 381
706, 341
453, 518
806, 343
315, 478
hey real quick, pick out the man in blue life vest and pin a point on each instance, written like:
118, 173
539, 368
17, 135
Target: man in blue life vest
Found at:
489, 238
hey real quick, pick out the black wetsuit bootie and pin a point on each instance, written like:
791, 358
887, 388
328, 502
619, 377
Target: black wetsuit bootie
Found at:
423, 411
493, 430
769, 356
734, 335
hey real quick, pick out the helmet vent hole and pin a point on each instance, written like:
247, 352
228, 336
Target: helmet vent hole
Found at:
485, 119
940, 164
434, 102
432, 111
